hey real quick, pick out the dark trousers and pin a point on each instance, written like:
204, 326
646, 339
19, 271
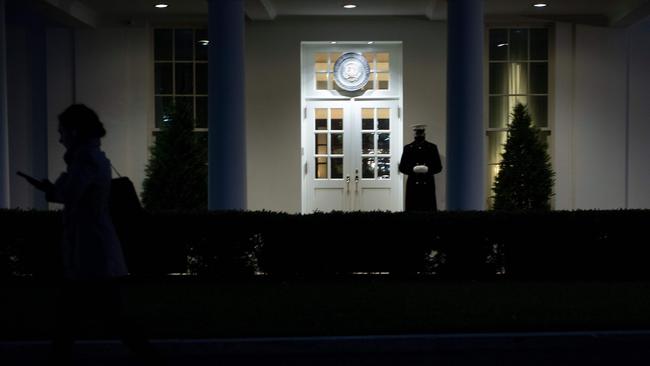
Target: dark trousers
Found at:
101, 302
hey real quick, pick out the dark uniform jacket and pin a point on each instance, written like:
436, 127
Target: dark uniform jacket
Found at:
420, 187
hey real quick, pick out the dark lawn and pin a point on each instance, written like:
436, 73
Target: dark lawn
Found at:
186, 308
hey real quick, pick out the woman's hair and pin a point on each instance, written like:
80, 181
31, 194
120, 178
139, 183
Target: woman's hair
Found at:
83, 120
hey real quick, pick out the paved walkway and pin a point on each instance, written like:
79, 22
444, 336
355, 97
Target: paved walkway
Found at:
530, 349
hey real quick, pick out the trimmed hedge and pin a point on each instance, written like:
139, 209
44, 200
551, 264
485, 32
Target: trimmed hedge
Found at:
559, 245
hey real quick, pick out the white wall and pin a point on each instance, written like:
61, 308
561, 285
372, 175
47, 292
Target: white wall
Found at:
600, 117
639, 116
561, 87
114, 69
60, 92
602, 88
26, 106
273, 94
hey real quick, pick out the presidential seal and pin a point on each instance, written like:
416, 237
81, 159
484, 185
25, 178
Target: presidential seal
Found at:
351, 71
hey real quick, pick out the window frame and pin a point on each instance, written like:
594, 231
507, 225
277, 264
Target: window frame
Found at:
550, 108
153, 128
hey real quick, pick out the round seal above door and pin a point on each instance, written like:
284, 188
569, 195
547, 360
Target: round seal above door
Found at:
351, 71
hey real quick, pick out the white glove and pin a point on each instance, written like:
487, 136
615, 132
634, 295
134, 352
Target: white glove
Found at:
420, 169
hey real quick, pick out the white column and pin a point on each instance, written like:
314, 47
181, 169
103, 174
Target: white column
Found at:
4, 125
226, 121
465, 151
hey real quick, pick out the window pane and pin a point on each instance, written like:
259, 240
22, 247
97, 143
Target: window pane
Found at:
202, 112
539, 44
538, 77
320, 58
382, 67
498, 44
383, 57
383, 119
383, 143
370, 57
321, 119
518, 44
513, 101
337, 119
184, 79
518, 78
201, 46
498, 78
383, 79
321, 144
321, 168
370, 85
368, 168
538, 109
337, 143
163, 44
337, 168
498, 112
320, 62
201, 78
383, 168
321, 81
164, 78
163, 106
496, 140
184, 42
185, 105
383, 61
368, 119
367, 143
333, 57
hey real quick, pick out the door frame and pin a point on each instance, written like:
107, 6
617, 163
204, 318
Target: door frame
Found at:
310, 94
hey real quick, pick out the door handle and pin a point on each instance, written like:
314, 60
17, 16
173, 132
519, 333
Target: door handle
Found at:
347, 182
356, 180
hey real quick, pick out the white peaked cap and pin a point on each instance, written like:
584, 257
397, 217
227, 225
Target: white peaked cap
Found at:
419, 127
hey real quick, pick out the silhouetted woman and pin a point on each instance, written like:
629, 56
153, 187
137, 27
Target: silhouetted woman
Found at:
93, 263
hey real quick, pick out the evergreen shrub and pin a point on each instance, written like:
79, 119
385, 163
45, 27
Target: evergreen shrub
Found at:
525, 178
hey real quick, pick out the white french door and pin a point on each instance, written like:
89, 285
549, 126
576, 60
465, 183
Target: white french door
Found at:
351, 152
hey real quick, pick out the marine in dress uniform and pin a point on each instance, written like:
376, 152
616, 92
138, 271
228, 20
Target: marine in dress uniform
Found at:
420, 161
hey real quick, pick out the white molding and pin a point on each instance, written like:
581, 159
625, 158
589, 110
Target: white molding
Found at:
72, 12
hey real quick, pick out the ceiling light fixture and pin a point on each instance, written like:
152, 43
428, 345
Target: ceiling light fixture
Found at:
502, 44
161, 6
333, 42
204, 42
371, 42
540, 5
350, 6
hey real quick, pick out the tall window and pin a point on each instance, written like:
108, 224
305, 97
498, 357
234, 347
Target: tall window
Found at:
518, 73
181, 73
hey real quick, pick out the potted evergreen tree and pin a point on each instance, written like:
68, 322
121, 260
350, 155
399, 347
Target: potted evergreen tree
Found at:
525, 179
177, 172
